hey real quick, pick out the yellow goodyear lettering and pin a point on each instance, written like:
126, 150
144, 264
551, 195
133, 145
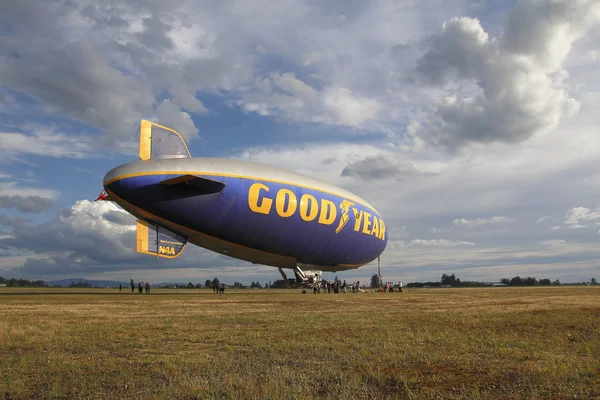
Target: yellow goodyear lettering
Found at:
305, 214
253, 199
367, 224
375, 230
166, 250
309, 208
328, 212
292, 203
381, 230
358, 218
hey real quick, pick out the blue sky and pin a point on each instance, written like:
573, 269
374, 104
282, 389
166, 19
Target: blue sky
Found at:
471, 126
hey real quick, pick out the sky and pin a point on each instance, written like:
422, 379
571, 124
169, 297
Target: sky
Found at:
471, 126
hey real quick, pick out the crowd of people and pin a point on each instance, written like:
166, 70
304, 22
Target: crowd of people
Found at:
141, 286
336, 287
326, 286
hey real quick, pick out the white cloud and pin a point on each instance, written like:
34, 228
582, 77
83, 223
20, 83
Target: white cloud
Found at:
555, 228
290, 84
577, 214
90, 237
171, 115
542, 219
40, 140
349, 108
516, 81
480, 221
14, 189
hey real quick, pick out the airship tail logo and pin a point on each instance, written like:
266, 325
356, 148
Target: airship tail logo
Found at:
345, 207
158, 241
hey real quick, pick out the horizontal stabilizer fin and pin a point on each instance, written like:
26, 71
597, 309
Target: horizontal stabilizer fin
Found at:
157, 141
197, 183
158, 241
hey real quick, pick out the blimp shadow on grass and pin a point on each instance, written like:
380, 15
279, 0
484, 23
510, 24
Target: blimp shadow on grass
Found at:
249, 211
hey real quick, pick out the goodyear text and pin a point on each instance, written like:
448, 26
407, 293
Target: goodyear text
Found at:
285, 203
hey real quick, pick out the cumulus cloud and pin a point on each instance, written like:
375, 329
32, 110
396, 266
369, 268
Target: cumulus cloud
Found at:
172, 116
542, 219
576, 215
119, 218
81, 229
89, 237
517, 80
28, 204
348, 108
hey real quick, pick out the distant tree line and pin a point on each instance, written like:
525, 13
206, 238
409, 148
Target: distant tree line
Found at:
13, 282
529, 281
81, 284
209, 284
453, 281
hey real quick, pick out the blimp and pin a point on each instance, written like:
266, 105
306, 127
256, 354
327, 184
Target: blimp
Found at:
245, 210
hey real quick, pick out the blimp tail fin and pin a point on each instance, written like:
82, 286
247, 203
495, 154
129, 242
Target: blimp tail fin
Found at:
157, 141
158, 241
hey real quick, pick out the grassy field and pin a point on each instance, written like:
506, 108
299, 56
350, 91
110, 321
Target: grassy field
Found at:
496, 343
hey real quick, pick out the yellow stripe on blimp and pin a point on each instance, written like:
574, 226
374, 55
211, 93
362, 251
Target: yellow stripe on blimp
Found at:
219, 174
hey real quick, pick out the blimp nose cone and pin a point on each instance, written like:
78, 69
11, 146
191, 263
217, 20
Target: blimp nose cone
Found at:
109, 177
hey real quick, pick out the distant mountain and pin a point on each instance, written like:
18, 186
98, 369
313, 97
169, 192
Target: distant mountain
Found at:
95, 283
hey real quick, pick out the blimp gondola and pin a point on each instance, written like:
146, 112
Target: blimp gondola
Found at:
245, 210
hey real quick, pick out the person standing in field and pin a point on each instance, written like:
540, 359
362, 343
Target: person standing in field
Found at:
120, 288
140, 287
132, 285
147, 287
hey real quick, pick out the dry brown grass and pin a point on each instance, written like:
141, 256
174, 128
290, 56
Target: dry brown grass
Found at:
536, 343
